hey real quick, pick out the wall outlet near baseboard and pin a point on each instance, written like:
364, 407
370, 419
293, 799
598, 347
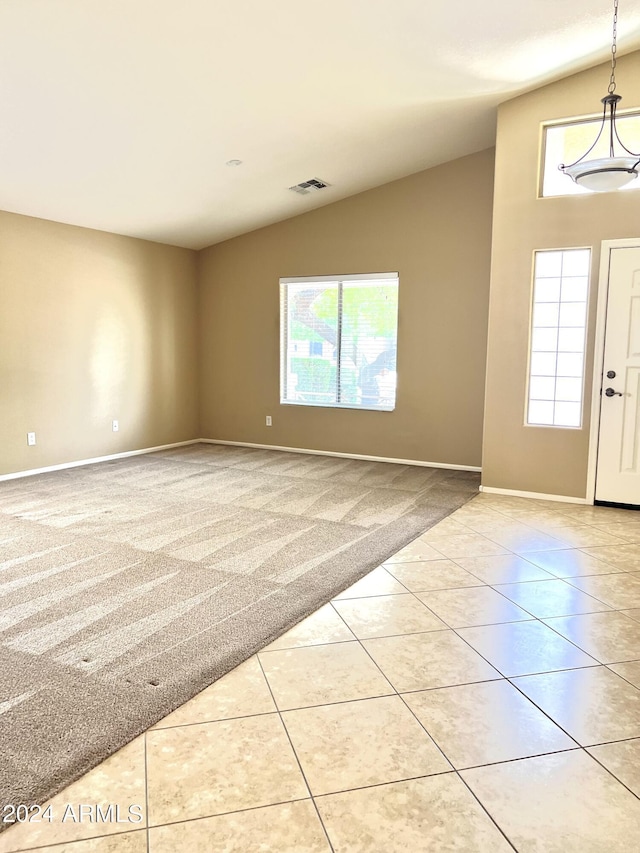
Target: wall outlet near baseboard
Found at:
31, 439
115, 426
269, 422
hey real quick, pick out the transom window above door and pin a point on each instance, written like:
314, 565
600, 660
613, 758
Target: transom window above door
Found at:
564, 143
339, 337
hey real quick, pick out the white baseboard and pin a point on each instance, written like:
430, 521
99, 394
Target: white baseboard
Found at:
535, 495
32, 471
418, 462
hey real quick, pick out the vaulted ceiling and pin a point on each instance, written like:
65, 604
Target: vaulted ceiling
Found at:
122, 115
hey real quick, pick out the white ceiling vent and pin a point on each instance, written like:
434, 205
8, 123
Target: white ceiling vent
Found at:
310, 186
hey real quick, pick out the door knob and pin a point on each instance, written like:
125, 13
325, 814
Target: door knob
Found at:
611, 393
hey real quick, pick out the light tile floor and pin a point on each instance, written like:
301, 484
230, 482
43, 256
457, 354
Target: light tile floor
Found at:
478, 692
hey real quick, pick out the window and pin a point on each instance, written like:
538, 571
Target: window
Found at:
564, 143
558, 322
338, 341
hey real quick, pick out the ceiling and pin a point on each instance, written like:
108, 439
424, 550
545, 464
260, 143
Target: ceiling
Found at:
121, 115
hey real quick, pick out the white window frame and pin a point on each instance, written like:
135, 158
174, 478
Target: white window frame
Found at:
595, 119
335, 279
532, 304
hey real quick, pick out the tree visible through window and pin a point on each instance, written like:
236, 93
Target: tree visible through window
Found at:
339, 341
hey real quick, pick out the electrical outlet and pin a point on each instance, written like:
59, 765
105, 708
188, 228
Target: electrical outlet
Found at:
268, 420
115, 426
31, 438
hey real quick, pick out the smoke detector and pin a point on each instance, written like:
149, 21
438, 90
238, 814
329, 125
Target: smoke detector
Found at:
312, 185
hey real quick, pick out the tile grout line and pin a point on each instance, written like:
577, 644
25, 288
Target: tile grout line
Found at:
431, 739
568, 616
64, 845
509, 681
434, 742
540, 551
293, 749
580, 746
618, 663
518, 521
454, 630
609, 771
527, 698
146, 793
185, 820
397, 693
533, 619
429, 610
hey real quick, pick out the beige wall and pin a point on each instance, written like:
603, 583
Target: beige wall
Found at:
543, 459
434, 229
93, 327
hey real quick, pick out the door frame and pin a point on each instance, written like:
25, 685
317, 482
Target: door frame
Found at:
606, 248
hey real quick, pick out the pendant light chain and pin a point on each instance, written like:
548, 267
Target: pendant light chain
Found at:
602, 174
614, 49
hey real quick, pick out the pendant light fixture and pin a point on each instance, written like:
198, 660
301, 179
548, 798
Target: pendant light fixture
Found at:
616, 170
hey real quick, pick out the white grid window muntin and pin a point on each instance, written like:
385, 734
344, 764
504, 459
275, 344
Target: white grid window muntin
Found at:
339, 341
565, 142
558, 331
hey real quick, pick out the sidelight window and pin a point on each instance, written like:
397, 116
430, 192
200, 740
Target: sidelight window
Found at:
558, 327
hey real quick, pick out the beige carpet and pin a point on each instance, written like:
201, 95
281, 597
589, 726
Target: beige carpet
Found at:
127, 587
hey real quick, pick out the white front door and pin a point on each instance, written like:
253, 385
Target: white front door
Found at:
618, 465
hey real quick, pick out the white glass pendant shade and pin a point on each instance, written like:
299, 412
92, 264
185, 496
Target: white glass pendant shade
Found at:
616, 170
602, 175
